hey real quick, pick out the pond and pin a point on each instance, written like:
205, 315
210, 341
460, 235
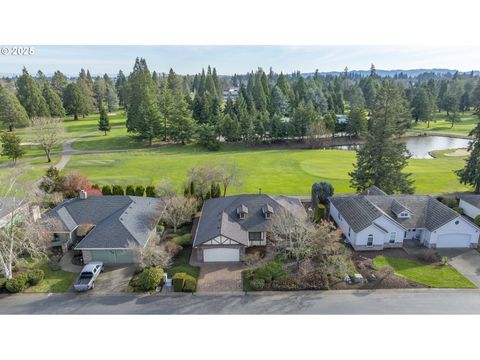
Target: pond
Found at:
420, 146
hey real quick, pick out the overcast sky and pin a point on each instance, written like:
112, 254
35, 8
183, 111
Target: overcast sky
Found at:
241, 59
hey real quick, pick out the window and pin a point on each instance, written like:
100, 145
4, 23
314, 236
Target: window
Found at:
268, 215
255, 236
241, 215
348, 231
370, 240
393, 235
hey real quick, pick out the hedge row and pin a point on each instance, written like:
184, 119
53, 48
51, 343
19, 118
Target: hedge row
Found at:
24, 280
130, 190
182, 282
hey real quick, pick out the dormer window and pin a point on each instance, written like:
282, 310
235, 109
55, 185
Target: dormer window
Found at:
242, 211
267, 211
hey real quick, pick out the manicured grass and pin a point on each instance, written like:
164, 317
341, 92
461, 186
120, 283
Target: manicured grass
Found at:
90, 123
287, 172
181, 264
441, 125
54, 282
437, 276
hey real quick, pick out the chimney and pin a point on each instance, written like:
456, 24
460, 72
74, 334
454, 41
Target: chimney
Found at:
82, 195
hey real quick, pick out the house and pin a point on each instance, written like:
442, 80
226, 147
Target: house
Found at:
14, 207
374, 220
470, 204
105, 227
229, 225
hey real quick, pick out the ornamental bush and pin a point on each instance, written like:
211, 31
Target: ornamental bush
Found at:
477, 220
320, 212
139, 190
106, 190
130, 190
150, 278
262, 273
184, 282
190, 285
17, 284
150, 191
117, 190
257, 284
35, 276
2, 283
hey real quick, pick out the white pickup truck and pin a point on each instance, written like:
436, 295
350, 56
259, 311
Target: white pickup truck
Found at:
88, 275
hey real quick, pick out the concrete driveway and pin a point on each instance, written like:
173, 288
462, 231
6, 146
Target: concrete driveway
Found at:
113, 280
220, 277
466, 261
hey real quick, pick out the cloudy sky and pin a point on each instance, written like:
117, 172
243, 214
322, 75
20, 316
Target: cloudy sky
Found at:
241, 59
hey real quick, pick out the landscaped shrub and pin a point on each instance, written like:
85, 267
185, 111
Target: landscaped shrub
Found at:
106, 190
262, 273
477, 220
320, 212
96, 186
285, 284
451, 203
178, 280
35, 276
150, 191
315, 281
130, 190
150, 278
183, 240
2, 283
276, 269
445, 260
459, 210
257, 284
117, 190
428, 256
190, 284
17, 284
139, 190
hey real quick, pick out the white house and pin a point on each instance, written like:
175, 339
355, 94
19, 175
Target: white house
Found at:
374, 220
470, 204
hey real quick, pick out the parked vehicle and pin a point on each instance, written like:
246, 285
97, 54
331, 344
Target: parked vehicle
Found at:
88, 275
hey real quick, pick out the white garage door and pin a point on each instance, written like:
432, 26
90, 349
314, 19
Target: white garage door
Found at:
454, 241
221, 255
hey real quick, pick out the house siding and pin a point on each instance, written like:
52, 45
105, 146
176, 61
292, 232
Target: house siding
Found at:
469, 209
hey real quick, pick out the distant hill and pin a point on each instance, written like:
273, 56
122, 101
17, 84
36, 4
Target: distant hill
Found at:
391, 73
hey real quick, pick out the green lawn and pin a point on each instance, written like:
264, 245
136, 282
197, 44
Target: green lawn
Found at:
54, 282
437, 276
90, 123
442, 126
288, 172
117, 138
181, 264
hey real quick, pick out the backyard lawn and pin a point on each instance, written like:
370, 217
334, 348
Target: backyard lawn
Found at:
437, 276
441, 125
288, 172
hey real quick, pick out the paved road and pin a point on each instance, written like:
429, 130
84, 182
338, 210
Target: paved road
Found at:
424, 301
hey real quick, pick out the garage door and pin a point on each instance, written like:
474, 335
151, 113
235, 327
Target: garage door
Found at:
112, 256
454, 241
221, 255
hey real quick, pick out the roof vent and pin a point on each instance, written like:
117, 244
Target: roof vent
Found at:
82, 195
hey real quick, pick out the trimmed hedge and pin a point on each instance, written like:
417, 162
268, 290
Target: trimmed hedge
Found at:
117, 190
150, 278
184, 282
320, 212
139, 190
150, 191
35, 276
477, 220
130, 190
106, 190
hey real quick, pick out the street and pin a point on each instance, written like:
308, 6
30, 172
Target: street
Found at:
423, 301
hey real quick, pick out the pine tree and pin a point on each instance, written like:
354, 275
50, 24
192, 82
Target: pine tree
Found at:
111, 96
381, 159
357, 122
11, 147
12, 113
86, 87
182, 125
30, 96
143, 115
470, 174
74, 101
166, 103
121, 85
103, 122
59, 82
54, 101
423, 106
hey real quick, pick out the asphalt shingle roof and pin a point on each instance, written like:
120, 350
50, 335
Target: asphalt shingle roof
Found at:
220, 217
117, 220
427, 212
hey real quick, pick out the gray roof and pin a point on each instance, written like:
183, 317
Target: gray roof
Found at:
426, 212
471, 199
373, 190
220, 218
117, 220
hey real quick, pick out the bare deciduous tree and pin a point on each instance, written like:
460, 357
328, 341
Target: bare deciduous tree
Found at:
166, 188
47, 133
22, 235
202, 177
178, 211
318, 136
230, 176
154, 253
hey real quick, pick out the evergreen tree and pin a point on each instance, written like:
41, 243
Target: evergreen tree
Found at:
30, 96
381, 159
166, 103
111, 96
121, 85
208, 138
143, 115
74, 101
86, 87
279, 102
470, 174
174, 84
423, 106
54, 101
12, 113
59, 82
11, 147
103, 122
357, 121
182, 126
